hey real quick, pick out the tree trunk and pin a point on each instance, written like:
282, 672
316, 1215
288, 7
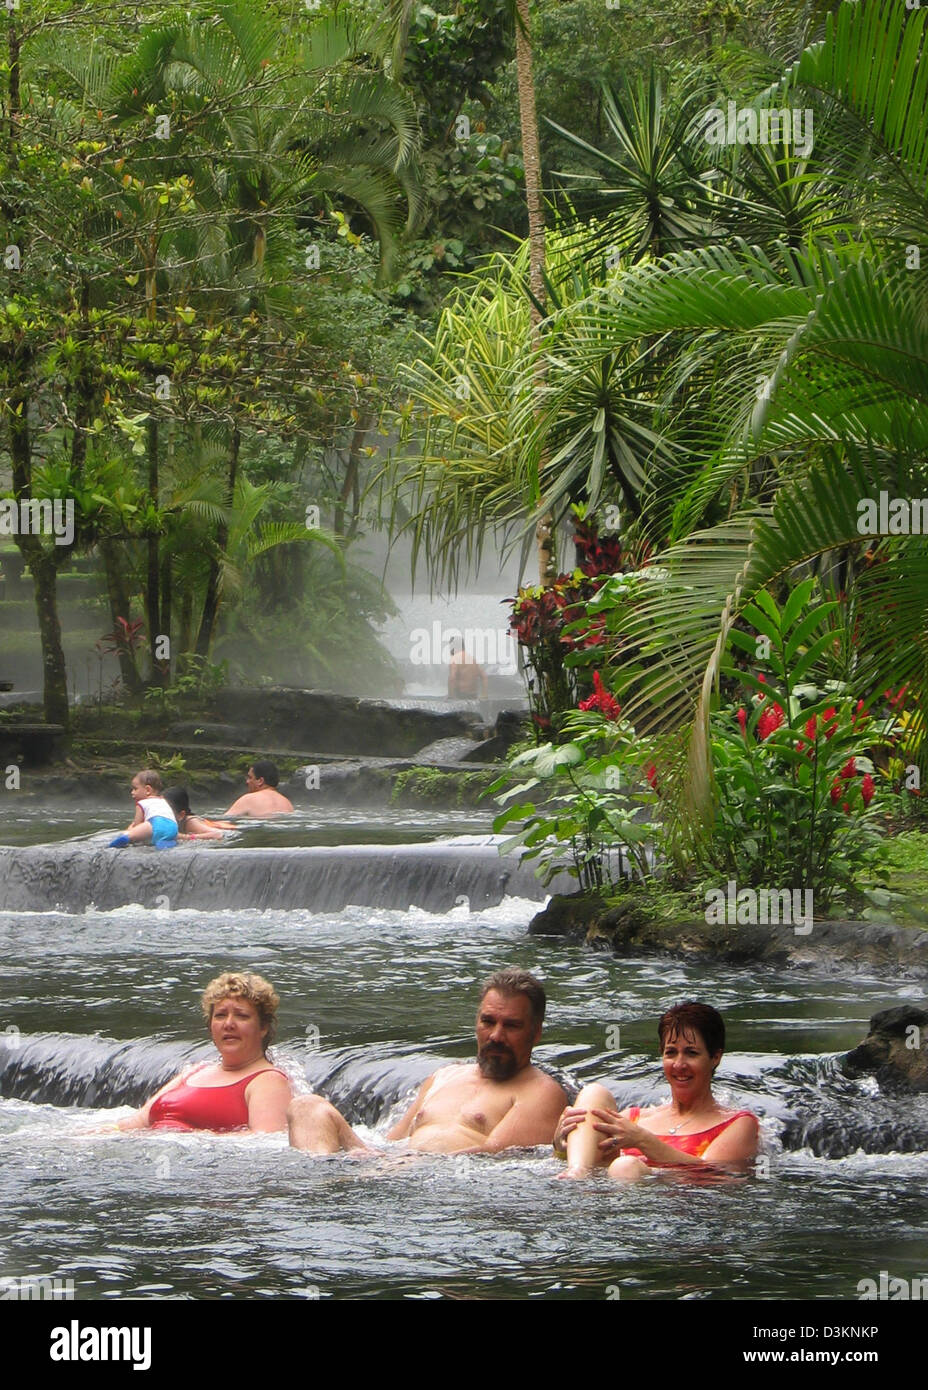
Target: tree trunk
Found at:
42, 563
185, 635
44, 570
211, 601
167, 597
153, 574
118, 597
531, 158
351, 486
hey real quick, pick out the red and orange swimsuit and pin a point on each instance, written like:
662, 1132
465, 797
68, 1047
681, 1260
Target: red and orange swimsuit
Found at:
695, 1144
204, 1107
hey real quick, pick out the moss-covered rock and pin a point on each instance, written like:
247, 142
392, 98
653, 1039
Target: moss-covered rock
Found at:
895, 1050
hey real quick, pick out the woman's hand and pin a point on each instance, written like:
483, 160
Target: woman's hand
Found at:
620, 1133
570, 1119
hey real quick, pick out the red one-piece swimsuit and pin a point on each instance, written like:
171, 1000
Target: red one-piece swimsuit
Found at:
204, 1107
695, 1144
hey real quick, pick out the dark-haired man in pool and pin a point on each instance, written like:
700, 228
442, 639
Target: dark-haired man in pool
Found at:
262, 798
501, 1101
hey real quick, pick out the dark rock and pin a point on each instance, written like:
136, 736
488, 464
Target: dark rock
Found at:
448, 750
278, 717
570, 914
629, 930
206, 731
511, 726
895, 1050
31, 744
492, 750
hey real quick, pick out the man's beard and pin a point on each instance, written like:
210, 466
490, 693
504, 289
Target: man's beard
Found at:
498, 1064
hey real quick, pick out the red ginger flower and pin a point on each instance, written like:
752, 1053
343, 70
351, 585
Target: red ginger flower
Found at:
651, 775
770, 720
849, 769
835, 792
601, 700
867, 788
741, 716
812, 726
830, 721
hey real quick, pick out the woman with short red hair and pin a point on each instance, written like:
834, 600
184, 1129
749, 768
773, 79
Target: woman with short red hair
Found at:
690, 1131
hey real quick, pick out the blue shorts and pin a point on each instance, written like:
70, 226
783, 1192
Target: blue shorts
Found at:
163, 832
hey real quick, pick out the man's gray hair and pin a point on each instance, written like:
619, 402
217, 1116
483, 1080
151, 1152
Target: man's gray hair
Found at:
510, 981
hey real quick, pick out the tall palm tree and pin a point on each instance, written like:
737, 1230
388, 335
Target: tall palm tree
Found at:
394, 28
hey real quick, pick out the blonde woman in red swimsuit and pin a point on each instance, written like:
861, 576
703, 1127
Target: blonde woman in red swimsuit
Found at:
242, 1090
691, 1131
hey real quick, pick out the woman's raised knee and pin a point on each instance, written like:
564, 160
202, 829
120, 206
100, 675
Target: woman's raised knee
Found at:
626, 1168
595, 1097
307, 1107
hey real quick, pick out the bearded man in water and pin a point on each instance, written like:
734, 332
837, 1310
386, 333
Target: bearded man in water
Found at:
498, 1102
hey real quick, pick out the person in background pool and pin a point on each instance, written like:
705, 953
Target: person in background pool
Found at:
189, 826
262, 798
242, 1090
691, 1131
466, 679
155, 822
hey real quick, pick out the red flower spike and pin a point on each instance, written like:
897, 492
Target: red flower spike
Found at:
770, 720
849, 769
835, 792
845, 808
741, 716
601, 700
867, 789
812, 727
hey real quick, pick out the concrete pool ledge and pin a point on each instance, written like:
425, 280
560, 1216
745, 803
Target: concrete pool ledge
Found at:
435, 876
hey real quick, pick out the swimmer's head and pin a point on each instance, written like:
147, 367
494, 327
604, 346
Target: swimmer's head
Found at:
693, 1017
512, 1006
145, 782
510, 981
234, 984
178, 800
262, 771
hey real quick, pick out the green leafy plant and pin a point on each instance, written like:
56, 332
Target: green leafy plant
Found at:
796, 801
598, 790
173, 767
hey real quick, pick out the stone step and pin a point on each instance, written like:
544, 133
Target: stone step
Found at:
307, 757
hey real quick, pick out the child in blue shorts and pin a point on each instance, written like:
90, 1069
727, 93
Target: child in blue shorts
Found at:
154, 821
